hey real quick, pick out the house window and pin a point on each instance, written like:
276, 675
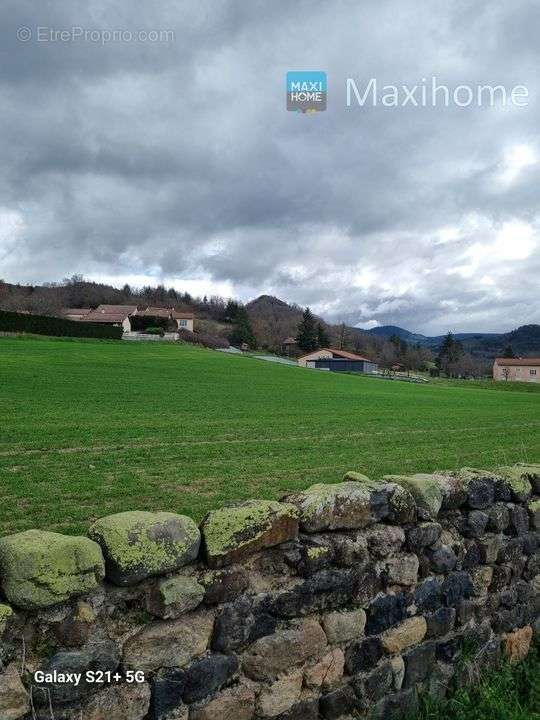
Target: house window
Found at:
533, 372
183, 323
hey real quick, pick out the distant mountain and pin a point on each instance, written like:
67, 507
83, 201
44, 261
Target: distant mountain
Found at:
524, 341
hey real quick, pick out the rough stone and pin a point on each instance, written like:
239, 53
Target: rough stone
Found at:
440, 680
475, 524
386, 611
440, 622
205, 676
326, 590
338, 704
443, 559
327, 673
498, 518
425, 489
167, 691
517, 644
362, 655
398, 670
14, 702
519, 520
374, 686
171, 597
418, 663
423, 535
119, 702
237, 703
489, 547
40, 568
511, 551
345, 505
384, 540
98, 656
456, 586
138, 544
402, 507
303, 710
281, 695
223, 586
75, 629
480, 486
448, 651
342, 627
234, 532
169, 644
427, 595
481, 580
271, 655
534, 514
454, 491
502, 575
411, 632
518, 478
349, 550
396, 706
242, 622
472, 556
402, 569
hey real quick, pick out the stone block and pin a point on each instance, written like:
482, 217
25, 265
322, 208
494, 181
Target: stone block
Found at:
342, 627
410, 632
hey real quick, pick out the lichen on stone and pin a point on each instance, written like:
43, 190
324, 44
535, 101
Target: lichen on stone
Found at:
41, 568
516, 476
227, 528
425, 489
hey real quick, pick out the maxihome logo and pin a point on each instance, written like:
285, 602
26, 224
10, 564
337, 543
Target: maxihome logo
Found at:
306, 91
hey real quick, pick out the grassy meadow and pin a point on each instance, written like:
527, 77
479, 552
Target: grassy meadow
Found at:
89, 428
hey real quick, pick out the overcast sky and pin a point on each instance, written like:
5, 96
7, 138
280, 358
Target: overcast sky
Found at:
176, 161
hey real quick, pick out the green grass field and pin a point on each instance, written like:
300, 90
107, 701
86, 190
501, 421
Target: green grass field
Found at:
90, 428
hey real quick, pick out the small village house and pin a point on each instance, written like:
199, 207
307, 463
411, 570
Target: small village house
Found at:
112, 315
184, 320
337, 361
517, 369
289, 346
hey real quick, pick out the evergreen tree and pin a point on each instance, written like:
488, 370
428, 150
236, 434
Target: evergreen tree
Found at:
450, 354
323, 341
509, 352
242, 331
306, 336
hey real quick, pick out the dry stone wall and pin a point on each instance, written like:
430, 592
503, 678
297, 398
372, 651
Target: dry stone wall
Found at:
342, 601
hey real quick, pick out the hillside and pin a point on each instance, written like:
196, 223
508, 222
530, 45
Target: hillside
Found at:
525, 341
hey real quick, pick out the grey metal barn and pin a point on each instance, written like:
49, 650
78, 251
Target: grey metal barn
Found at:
343, 365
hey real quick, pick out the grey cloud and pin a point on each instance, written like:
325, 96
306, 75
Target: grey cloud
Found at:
179, 160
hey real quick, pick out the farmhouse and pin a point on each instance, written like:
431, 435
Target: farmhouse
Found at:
337, 361
112, 315
517, 369
184, 320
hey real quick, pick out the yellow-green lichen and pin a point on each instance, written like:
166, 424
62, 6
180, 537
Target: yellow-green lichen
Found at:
5, 613
229, 527
42, 568
153, 540
517, 478
425, 489
316, 552
534, 506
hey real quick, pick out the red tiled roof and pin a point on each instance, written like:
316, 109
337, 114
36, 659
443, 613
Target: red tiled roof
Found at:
76, 311
517, 361
115, 309
155, 312
110, 318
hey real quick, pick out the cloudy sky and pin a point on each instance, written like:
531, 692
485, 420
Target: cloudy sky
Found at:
174, 159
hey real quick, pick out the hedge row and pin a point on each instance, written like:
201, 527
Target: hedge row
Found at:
57, 327
140, 323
